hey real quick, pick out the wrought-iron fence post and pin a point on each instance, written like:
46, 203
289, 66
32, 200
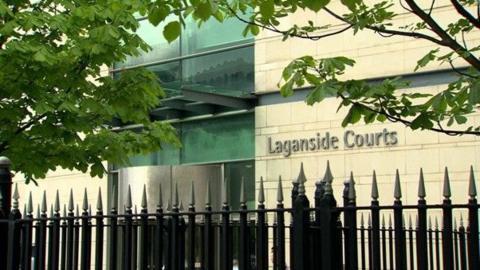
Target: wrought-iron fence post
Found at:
422, 249
351, 248
400, 244
14, 226
472, 230
375, 241
330, 236
5, 204
301, 220
447, 232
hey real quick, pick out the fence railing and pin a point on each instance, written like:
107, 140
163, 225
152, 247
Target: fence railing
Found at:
323, 236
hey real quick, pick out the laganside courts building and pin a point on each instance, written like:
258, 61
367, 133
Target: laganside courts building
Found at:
223, 98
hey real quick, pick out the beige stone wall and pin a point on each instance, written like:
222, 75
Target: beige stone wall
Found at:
415, 149
375, 56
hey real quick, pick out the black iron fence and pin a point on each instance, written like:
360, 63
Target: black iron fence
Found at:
323, 236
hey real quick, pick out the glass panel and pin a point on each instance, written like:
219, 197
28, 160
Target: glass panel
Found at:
220, 139
234, 173
169, 75
212, 35
153, 36
227, 73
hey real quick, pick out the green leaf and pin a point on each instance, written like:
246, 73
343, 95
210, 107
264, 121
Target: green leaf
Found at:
203, 10
172, 31
267, 8
474, 93
430, 56
460, 119
316, 5
350, 4
158, 14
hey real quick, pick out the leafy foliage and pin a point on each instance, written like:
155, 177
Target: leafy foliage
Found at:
386, 100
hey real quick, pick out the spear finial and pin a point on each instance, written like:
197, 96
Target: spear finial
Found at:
85, 200
261, 193
71, 205
374, 187
99, 200
208, 195
15, 197
328, 179
44, 202
175, 197
421, 186
243, 200
472, 189
192, 195
397, 192
279, 191
447, 193
301, 179
160, 197
351, 190
224, 192
144, 197
128, 204
30, 204
57, 202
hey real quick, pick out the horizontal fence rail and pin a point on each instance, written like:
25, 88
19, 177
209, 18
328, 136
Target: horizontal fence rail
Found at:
319, 236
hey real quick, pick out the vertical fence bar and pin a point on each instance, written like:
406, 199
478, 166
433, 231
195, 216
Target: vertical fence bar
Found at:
112, 255
63, 247
27, 235
134, 250
159, 231
391, 255
318, 195
99, 233
375, 212
363, 256
70, 233
384, 244
400, 247
447, 232
208, 256
280, 236
430, 244
55, 236
422, 248
261, 234
143, 260
5, 205
472, 229
455, 243
329, 232
244, 232
351, 244
191, 229
437, 244
174, 232
42, 235
462, 243
369, 244
14, 229
181, 239
293, 196
410, 243
226, 237
128, 237
86, 235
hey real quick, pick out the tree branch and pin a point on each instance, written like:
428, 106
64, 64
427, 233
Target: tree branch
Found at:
447, 39
408, 123
283, 32
462, 11
388, 31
